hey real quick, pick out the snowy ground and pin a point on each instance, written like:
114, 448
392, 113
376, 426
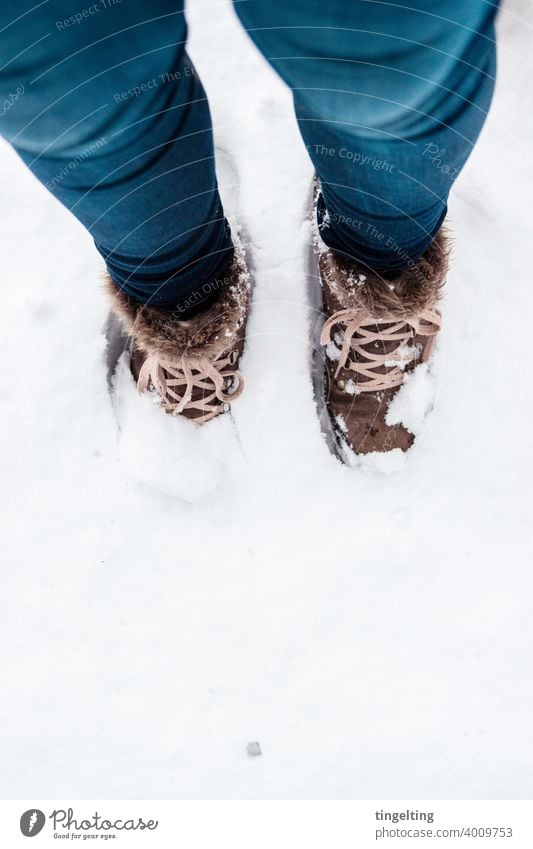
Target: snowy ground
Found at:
373, 633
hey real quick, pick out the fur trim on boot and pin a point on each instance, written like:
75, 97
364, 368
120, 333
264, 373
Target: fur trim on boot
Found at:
163, 331
413, 290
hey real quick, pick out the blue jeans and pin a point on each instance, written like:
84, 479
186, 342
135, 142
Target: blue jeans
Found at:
106, 108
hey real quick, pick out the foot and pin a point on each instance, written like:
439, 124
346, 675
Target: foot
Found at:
192, 365
376, 332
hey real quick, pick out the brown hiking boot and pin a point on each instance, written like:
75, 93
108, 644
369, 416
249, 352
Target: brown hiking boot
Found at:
376, 332
191, 364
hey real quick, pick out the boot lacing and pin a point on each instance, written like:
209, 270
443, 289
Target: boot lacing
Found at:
176, 380
360, 334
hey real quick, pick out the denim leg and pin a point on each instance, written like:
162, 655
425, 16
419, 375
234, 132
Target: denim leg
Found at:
106, 108
390, 99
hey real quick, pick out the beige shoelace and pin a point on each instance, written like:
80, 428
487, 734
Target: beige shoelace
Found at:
361, 333
176, 380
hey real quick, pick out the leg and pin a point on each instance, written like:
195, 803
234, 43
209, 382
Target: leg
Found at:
105, 107
390, 100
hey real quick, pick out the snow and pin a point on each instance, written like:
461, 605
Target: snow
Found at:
372, 631
355, 280
413, 401
383, 463
169, 453
332, 352
402, 355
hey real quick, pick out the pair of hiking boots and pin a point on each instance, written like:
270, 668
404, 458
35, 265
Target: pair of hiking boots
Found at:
376, 331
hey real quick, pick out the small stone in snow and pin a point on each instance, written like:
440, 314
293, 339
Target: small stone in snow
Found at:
253, 750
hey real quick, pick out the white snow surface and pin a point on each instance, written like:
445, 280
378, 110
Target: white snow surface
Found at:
170, 453
371, 633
